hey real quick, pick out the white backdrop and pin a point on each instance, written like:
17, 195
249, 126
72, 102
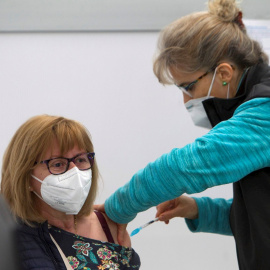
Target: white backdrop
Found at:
105, 81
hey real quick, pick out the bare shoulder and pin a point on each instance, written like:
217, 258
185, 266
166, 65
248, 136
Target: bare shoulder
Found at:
113, 228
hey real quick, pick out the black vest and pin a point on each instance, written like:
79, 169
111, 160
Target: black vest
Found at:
250, 210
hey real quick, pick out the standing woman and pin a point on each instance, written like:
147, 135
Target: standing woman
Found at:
225, 80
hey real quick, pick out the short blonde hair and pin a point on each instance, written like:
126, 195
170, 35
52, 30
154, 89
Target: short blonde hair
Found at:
201, 40
29, 145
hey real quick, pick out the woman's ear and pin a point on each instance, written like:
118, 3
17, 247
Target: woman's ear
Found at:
225, 73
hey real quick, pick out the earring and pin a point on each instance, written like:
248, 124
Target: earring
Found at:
224, 83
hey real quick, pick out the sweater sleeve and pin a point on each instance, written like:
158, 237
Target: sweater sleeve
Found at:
213, 216
220, 157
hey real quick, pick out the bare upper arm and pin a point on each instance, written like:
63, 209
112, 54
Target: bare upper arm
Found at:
113, 228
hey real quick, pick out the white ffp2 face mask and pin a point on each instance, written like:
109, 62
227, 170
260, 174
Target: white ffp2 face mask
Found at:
196, 109
197, 112
66, 192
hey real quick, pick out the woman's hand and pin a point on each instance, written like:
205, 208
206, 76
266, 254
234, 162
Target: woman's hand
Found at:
122, 234
182, 206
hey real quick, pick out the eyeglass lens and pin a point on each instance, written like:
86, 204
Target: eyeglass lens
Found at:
186, 89
60, 165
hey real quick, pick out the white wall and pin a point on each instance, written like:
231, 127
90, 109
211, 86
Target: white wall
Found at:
105, 81
106, 15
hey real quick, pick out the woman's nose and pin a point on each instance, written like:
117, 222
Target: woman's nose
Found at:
71, 165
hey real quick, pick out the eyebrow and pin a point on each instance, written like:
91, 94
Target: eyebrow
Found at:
59, 156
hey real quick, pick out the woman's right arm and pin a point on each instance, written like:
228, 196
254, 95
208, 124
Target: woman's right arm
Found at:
220, 157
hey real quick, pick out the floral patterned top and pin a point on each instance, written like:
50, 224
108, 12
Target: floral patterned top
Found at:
90, 254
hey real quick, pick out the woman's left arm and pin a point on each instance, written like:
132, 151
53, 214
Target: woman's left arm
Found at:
213, 216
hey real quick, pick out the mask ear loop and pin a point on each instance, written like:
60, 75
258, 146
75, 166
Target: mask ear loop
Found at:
37, 179
211, 85
38, 196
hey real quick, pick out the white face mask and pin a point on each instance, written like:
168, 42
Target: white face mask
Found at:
196, 109
197, 112
66, 192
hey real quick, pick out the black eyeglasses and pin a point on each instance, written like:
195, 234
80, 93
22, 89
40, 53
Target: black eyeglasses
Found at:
60, 165
188, 87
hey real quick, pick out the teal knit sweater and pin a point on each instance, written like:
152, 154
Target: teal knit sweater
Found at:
230, 151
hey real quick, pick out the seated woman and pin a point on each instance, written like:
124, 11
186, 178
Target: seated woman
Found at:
49, 179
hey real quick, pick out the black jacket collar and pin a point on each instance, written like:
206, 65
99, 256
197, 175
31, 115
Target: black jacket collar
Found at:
255, 84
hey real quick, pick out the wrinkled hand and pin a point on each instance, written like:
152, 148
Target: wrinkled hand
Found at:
122, 234
182, 206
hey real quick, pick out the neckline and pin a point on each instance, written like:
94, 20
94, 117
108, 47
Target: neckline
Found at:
51, 227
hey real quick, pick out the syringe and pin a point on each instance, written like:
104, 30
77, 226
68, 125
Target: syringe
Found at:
143, 226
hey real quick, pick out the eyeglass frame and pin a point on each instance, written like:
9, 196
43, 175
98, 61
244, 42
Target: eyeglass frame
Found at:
186, 88
90, 156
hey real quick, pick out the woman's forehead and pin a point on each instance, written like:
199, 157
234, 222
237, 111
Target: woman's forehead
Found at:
55, 149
